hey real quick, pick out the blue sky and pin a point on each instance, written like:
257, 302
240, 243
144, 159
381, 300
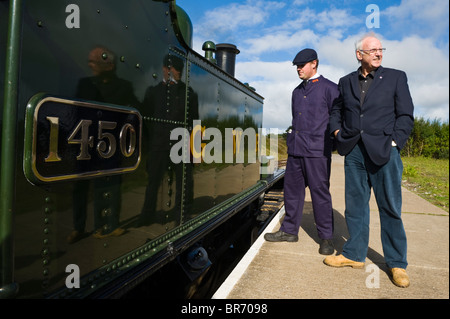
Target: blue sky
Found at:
269, 34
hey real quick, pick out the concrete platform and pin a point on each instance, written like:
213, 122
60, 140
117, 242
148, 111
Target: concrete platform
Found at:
296, 270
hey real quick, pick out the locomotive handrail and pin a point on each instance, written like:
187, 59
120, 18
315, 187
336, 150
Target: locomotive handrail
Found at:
8, 288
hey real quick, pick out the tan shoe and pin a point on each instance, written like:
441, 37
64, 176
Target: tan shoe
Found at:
116, 233
399, 277
75, 236
341, 261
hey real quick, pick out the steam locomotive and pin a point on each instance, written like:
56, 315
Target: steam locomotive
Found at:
122, 151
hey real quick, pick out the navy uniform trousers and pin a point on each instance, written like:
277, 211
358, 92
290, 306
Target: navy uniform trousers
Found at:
314, 173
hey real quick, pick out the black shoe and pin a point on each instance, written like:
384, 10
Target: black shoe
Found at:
326, 247
280, 236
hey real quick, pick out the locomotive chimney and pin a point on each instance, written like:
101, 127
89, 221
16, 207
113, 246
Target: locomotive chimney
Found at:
226, 57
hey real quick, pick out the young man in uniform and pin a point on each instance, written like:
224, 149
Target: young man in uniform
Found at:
309, 154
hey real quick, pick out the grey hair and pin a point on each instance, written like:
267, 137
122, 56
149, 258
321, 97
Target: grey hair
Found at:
358, 44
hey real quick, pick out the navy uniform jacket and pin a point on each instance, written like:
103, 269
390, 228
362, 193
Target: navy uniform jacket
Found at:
385, 116
311, 107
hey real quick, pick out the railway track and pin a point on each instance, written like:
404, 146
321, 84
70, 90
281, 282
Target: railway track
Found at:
282, 163
273, 201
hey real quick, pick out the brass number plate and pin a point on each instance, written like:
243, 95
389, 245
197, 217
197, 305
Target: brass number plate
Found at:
68, 139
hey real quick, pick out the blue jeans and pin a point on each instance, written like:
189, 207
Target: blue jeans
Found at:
361, 174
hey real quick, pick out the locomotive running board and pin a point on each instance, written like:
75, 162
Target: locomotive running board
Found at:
150, 257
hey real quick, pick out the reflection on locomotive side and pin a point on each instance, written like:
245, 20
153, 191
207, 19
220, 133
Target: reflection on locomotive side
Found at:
170, 185
218, 173
103, 86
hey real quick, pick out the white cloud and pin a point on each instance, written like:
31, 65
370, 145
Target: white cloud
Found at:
339, 53
275, 81
280, 41
425, 65
418, 56
265, 33
430, 100
425, 18
427, 69
334, 19
230, 18
300, 2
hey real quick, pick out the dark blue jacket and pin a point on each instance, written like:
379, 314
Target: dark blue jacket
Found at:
385, 116
311, 107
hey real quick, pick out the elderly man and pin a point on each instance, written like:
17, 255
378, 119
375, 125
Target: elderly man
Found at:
371, 123
309, 149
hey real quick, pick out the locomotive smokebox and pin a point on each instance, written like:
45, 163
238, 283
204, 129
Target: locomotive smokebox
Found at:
226, 57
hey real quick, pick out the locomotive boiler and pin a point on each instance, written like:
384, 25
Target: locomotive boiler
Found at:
122, 149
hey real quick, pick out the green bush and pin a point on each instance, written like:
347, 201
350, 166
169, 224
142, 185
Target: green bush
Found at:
429, 139
409, 171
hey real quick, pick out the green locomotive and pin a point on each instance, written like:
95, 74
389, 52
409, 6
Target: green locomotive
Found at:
122, 149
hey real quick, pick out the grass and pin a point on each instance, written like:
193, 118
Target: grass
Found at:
428, 178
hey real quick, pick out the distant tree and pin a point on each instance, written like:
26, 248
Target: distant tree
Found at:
428, 139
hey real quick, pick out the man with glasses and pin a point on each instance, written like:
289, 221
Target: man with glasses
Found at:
371, 123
